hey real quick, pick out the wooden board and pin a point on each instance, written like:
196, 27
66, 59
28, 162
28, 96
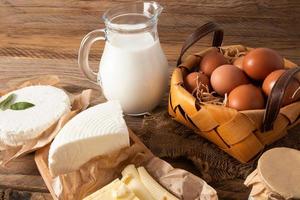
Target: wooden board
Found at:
41, 160
20, 179
23, 195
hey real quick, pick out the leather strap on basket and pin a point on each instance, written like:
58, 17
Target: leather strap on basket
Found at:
276, 97
200, 33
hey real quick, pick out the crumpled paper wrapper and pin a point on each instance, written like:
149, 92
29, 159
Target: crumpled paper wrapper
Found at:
260, 191
181, 183
78, 103
101, 170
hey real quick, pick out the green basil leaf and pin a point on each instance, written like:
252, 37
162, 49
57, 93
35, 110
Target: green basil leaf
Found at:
7, 102
21, 106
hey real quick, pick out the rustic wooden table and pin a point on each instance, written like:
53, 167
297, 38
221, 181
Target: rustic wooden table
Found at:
43, 37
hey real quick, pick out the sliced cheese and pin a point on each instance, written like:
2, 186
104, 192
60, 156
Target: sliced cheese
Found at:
130, 170
19, 126
137, 187
96, 131
116, 190
157, 191
131, 178
135, 184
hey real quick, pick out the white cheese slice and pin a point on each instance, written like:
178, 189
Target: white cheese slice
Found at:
19, 126
96, 131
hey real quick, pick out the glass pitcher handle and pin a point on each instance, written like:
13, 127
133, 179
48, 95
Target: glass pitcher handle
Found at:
84, 50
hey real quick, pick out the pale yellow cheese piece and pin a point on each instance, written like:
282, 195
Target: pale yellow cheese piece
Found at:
116, 190
136, 184
130, 170
137, 187
131, 178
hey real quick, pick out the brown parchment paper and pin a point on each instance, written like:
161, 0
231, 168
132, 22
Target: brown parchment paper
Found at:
101, 170
79, 102
181, 183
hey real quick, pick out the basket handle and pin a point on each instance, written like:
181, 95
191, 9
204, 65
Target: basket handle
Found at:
276, 97
199, 33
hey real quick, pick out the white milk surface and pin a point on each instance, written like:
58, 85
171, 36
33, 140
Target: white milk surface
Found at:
134, 70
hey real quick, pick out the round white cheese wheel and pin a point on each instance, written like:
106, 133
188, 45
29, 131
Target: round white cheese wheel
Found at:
19, 126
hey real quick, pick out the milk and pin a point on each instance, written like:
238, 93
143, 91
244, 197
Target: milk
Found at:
134, 70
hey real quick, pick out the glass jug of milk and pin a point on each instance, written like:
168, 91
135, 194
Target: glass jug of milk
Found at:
133, 68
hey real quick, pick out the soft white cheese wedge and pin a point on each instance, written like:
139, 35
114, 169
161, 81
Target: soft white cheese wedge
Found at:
96, 131
19, 126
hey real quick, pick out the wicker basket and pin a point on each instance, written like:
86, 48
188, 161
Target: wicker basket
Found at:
242, 134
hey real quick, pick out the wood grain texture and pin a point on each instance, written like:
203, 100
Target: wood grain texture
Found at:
43, 37
23, 182
18, 166
18, 195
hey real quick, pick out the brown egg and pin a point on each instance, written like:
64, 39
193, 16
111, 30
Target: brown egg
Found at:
260, 62
270, 81
192, 80
289, 96
211, 61
246, 97
239, 62
227, 77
